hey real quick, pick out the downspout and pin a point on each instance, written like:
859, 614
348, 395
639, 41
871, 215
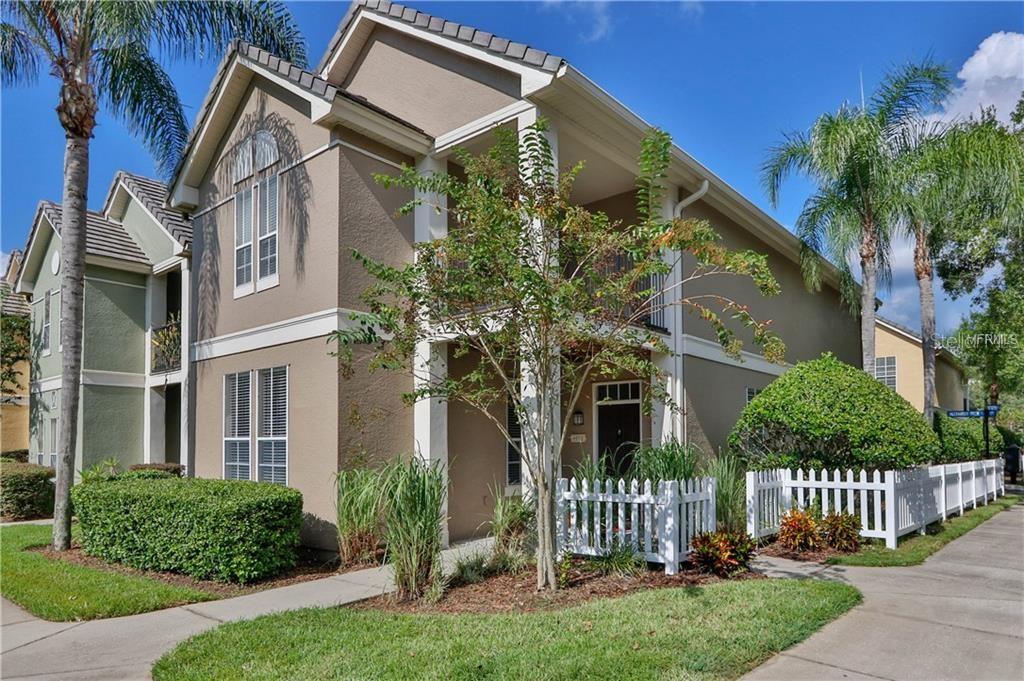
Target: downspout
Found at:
677, 212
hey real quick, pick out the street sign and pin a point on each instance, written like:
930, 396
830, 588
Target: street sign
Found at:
993, 408
972, 414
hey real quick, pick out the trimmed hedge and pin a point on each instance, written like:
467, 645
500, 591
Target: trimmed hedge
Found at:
26, 491
964, 439
175, 469
16, 454
824, 413
227, 530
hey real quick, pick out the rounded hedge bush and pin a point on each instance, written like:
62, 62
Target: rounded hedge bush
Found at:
824, 413
26, 491
16, 454
964, 439
175, 469
228, 530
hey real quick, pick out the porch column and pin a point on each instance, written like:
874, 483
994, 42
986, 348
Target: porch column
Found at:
185, 403
666, 423
430, 416
155, 425
530, 391
153, 403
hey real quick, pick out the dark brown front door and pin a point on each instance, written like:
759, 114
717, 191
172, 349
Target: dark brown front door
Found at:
618, 434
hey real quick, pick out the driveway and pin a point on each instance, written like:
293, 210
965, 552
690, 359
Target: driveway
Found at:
958, 616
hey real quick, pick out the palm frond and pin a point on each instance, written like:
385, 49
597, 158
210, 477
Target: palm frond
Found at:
140, 93
792, 155
907, 90
19, 57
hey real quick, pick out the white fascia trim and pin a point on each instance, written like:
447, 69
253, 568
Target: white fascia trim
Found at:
303, 327
365, 120
118, 264
115, 282
172, 263
319, 106
531, 79
894, 329
483, 124
161, 380
46, 384
703, 348
114, 379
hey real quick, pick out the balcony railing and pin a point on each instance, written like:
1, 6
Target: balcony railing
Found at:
165, 347
654, 316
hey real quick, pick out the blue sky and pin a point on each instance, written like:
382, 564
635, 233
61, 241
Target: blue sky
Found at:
725, 79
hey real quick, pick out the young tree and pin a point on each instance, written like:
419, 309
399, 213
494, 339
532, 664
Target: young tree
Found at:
14, 349
106, 53
848, 155
543, 295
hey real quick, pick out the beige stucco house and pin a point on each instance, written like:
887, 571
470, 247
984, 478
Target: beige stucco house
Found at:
278, 181
899, 363
14, 407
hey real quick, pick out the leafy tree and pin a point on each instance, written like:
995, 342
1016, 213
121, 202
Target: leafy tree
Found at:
105, 53
14, 349
848, 155
541, 296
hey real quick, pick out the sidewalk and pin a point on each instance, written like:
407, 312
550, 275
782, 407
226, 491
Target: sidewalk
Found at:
959, 616
126, 647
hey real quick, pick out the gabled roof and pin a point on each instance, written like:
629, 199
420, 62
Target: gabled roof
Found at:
103, 237
11, 303
497, 45
912, 335
152, 194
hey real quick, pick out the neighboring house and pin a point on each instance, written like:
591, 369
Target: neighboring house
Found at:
14, 404
278, 179
899, 363
136, 285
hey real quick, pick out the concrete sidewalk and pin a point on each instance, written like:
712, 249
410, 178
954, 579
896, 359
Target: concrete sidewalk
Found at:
958, 616
127, 647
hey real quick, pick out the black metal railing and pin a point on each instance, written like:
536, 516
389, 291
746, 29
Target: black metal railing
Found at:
165, 347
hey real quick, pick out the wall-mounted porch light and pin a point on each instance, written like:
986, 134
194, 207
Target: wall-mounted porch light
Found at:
577, 418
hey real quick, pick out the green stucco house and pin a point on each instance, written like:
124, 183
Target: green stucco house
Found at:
134, 372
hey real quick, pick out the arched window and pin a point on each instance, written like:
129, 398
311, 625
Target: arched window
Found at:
264, 149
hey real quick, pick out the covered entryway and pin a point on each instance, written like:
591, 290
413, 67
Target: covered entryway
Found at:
617, 421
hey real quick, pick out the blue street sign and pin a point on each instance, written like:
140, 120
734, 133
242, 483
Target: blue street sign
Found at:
973, 413
993, 408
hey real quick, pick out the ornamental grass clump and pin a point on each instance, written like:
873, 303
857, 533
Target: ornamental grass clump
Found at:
730, 491
360, 508
798, 531
724, 554
841, 531
414, 502
670, 461
511, 526
620, 560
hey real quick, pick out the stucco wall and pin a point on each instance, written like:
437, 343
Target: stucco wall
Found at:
949, 385
717, 394
115, 325
46, 365
14, 427
149, 235
433, 88
112, 425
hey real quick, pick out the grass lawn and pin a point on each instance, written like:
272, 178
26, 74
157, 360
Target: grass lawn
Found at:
55, 590
713, 632
914, 548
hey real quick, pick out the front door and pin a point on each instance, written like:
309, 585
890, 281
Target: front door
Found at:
618, 434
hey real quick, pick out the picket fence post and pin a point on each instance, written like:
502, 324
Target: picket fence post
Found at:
960, 485
752, 520
560, 488
890, 509
713, 505
942, 481
668, 525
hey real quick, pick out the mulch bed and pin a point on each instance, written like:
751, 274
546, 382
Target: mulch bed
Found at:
518, 592
777, 551
310, 566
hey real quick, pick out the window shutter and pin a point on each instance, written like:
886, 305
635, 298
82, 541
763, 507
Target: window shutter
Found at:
272, 433
268, 227
236, 426
513, 456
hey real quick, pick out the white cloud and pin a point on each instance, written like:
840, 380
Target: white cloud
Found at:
992, 76
595, 17
692, 9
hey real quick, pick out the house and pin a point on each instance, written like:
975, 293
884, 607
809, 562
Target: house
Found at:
136, 285
278, 179
14, 407
899, 363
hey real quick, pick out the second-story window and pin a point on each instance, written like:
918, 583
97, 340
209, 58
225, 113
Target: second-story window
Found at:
267, 264
44, 333
243, 242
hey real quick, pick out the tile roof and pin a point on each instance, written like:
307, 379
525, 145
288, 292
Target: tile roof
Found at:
12, 303
153, 195
102, 237
466, 34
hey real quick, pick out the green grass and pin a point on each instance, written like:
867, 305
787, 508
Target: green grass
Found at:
714, 632
60, 591
913, 549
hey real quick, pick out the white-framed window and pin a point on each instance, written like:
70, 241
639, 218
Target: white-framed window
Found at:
44, 333
628, 391
54, 437
60, 324
266, 266
752, 393
243, 242
513, 456
272, 426
243, 161
885, 370
237, 417
264, 149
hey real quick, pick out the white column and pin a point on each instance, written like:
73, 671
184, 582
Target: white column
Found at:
667, 423
155, 426
430, 416
185, 404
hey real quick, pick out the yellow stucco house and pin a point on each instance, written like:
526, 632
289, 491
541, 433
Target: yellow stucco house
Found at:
900, 365
14, 412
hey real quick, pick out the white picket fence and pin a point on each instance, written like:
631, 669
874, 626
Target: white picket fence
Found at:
889, 505
591, 516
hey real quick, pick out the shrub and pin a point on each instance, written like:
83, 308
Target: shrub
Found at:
470, 570
145, 474
228, 530
19, 455
175, 469
670, 461
105, 470
620, 560
1010, 437
730, 491
798, 531
26, 491
841, 531
722, 553
510, 525
824, 413
415, 495
359, 509
964, 439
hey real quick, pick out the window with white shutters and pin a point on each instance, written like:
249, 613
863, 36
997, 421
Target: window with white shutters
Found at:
885, 370
267, 274
243, 241
236, 426
272, 428
513, 457
752, 393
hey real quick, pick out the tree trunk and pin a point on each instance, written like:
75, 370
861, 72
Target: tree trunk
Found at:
924, 272
72, 247
869, 283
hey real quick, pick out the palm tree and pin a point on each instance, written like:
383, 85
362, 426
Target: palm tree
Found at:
848, 154
104, 52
